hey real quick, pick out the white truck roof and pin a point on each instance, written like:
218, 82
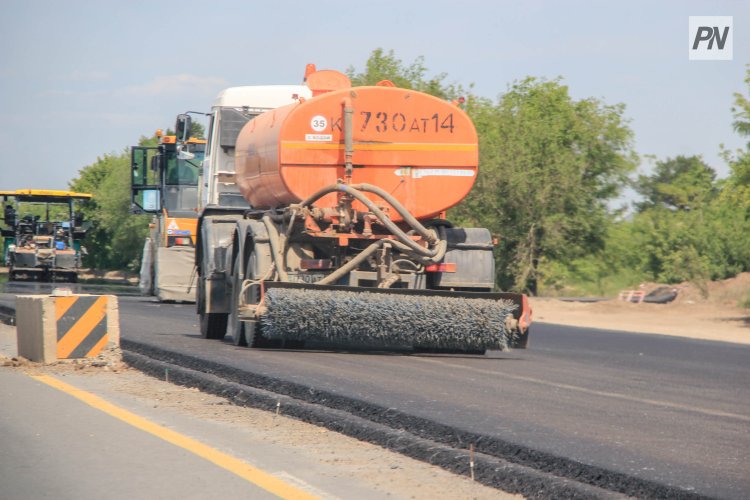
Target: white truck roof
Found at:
261, 96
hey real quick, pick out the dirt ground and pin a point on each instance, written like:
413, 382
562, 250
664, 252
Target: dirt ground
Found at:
716, 317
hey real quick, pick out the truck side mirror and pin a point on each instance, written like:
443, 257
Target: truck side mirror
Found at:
182, 127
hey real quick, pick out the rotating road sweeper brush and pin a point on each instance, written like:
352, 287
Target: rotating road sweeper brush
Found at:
392, 319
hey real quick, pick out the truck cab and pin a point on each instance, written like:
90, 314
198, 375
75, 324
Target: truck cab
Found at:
165, 182
221, 203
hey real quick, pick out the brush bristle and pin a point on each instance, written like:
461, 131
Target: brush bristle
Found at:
378, 319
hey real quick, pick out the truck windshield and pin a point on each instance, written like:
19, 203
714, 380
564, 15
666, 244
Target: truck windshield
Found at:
180, 195
185, 172
232, 120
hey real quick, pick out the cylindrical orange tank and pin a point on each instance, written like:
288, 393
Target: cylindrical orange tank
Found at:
419, 148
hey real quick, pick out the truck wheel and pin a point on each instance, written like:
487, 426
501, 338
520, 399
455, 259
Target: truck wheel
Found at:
253, 330
237, 327
213, 325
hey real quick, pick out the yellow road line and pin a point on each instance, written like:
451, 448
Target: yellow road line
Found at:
245, 471
594, 392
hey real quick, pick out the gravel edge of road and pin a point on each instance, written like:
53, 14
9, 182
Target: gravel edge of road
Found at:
499, 464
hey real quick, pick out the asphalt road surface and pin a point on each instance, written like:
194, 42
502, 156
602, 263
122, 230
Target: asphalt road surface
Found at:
62, 448
670, 410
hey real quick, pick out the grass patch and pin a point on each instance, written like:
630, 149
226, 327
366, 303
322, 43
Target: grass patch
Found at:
609, 286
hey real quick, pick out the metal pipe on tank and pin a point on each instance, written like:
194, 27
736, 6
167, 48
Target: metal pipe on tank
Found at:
348, 139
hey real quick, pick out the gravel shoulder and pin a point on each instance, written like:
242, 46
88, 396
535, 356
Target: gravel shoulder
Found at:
692, 315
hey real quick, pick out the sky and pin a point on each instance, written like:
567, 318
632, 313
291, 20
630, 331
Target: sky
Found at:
80, 79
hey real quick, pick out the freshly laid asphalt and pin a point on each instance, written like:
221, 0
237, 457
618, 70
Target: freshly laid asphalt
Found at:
669, 411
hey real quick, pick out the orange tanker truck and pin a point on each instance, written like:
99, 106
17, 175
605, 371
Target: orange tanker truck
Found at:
323, 219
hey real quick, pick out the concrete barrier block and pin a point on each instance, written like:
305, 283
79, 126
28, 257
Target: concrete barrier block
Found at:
36, 328
113, 320
67, 326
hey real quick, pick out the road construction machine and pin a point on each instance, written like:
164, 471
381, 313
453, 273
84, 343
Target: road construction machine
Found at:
165, 183
323, 219
42, 234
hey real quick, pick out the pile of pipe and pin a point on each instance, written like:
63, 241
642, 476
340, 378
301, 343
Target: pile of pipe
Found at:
387, 320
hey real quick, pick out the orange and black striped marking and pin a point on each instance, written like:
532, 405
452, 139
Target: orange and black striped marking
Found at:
81, 326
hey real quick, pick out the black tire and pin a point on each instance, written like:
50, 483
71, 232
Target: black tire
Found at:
213, 325
254, 329
521, 340
236, 327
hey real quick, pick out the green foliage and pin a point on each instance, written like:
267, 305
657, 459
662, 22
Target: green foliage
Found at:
116, 238
383, 65
689, 227
197, 130
548, 166
739, 180
681, 183
741, 110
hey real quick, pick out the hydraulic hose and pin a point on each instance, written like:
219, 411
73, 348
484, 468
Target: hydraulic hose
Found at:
408, 217
352, 264
273, 238
384, 219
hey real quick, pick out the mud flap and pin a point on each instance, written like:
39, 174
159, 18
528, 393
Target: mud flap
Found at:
175, 278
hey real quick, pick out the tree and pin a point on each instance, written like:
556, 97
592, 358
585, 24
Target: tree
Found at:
383, 65
690, 227
116, 238
197, 130
548, 167
680, 183
740, 164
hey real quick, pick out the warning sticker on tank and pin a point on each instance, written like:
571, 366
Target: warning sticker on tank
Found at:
318, 123
318, 137
418, 173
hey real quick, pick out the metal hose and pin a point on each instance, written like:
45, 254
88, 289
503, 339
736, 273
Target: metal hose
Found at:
407, 216
273, 238
352, 264
382, 217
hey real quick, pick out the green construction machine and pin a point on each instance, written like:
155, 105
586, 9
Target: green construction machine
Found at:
42, 234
